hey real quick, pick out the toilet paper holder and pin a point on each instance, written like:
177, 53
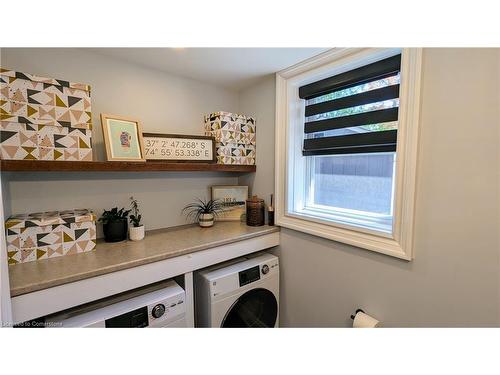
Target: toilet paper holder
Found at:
357, 311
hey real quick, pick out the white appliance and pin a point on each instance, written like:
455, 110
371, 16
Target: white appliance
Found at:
241, 293
159, 305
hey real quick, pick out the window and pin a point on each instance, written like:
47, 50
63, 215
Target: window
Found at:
347, 127
350, 133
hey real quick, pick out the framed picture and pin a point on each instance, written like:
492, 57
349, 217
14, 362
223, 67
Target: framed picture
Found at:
179, 148
233, 199
122, 138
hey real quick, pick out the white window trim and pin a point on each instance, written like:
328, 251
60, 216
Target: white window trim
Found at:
289, 137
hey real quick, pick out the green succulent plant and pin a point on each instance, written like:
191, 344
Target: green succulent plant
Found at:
194, 210
135, 218
114, 214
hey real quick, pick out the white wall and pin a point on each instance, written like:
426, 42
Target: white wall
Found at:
259, 101
454, 278
163, 103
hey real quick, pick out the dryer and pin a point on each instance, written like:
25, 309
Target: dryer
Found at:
240, 293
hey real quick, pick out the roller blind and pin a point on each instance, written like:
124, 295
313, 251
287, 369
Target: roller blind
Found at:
353, 112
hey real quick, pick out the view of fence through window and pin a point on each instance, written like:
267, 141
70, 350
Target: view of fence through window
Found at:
361, 182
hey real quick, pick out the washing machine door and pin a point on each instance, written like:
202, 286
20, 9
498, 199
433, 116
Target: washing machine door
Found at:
257, 308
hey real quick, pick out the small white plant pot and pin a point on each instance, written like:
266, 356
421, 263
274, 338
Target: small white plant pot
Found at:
206, 220
136, 233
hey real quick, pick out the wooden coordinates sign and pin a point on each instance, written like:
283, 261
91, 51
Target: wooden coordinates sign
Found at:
179, 148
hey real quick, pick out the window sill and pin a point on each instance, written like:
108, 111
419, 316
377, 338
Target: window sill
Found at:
380, 225
363, 238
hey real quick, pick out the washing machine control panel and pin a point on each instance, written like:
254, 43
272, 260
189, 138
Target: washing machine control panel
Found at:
249, 275
158, 310
242, 274
166, 310
253, 274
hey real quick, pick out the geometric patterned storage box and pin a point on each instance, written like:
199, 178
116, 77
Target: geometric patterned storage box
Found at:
44, 235
235, 137
44, 118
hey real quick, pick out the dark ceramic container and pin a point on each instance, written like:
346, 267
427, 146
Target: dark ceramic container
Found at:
115, 231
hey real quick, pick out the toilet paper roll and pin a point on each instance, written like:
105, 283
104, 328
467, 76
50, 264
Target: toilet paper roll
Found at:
362, 320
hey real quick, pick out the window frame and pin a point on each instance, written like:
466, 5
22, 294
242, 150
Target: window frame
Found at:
291, 166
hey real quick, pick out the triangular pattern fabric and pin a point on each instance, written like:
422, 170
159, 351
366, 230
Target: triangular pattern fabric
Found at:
65, 116
58, 155
46, 107
46, 153
71, 250
54, 251
85, 246
52, 99
28, 139
18, 109
46, 141
72, 100
82, 144
76, 115
37, 236
28, 255
86, 104
16, 241
13, 257
60, 102
47, 112
6, 135
79, 233
67, 238
30, 153
31, 96
18, 96
31, 110
41, 254
68, 155
235, 137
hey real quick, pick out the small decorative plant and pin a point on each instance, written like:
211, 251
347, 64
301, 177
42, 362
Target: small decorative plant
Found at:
114, 224
114, 214
136, 231
135, 218
203, 211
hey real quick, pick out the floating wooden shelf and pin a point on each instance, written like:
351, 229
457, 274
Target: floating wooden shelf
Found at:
118, 166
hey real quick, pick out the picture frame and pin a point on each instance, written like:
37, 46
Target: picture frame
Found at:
179, 148
122, 138
233, 197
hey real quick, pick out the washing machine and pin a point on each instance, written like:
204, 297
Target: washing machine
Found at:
240, 293
160, 305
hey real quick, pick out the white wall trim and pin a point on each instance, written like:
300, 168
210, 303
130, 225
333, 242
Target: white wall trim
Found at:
400, 244
5, 305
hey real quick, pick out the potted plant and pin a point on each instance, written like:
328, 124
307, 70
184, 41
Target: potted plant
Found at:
136, 231
114, 224
203, 211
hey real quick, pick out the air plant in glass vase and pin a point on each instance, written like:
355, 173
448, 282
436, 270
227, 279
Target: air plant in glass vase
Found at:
136, 230
114, 224
203, 211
